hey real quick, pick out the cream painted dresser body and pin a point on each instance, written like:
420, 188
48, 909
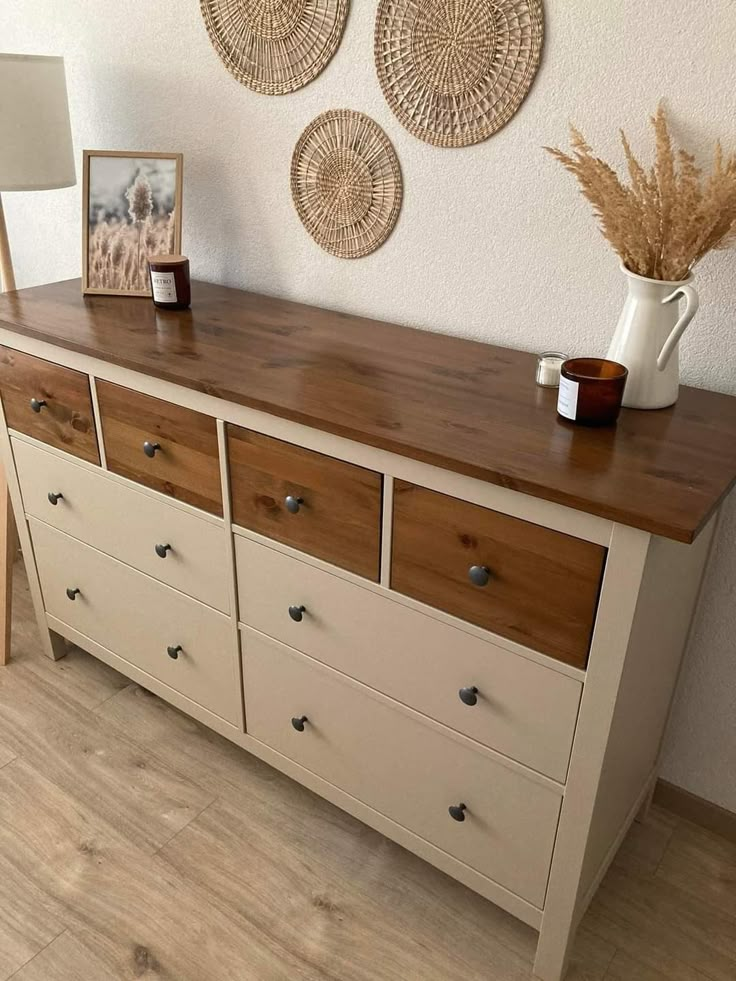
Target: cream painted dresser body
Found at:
374, 558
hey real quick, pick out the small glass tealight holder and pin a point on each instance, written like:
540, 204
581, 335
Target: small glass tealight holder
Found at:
549, 366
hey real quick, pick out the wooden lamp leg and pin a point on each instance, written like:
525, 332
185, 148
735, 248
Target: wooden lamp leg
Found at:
7, 276
8, 535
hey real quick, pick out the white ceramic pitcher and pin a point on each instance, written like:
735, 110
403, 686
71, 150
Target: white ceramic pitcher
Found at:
647, 336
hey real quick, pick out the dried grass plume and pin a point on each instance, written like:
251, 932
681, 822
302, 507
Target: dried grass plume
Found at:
666, 218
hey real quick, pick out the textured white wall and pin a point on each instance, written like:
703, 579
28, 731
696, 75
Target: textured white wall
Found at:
492, 243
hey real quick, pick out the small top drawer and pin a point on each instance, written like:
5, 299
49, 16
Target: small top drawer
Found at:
49, 402
533, 585
162, 445
320, 505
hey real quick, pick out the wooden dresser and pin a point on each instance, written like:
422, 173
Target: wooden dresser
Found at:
375, 558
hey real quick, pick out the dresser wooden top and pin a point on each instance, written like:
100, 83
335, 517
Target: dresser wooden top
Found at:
460, 405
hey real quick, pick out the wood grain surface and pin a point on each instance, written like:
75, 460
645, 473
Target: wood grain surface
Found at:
543, 585
340, 517
187, 465
66, 421
461, 405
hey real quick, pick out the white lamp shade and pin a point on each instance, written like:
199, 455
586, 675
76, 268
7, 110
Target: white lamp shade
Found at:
36, 151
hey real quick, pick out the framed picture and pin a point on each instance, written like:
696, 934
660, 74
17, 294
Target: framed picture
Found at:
131, 209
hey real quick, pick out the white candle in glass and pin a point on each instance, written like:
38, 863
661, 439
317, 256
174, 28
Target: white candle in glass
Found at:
548, 369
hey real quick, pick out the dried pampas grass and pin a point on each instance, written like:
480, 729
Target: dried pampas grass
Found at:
665, 219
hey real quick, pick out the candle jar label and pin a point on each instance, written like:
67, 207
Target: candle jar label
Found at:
163, 286
567, 400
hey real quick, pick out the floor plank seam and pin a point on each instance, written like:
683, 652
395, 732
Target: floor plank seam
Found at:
148, 749
185, 826
607, 974
31, 959
164, 767
94, 708
667, 847
240, 915
609, 965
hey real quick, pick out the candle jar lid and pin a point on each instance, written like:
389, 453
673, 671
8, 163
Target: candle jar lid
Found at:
167, 260
170, 285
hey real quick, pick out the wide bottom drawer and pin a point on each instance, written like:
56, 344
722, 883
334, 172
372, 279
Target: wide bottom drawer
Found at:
402, 765
178, 640
517, 707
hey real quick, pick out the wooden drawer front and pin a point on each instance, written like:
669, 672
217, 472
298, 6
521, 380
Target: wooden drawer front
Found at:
339, 519
127, 524
65, 420
542, 588
402, 766
523, 710
185, 466
138, 619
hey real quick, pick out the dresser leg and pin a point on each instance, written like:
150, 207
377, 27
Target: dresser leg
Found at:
553, 954
57, 647
643, 813
570, 880
8, 547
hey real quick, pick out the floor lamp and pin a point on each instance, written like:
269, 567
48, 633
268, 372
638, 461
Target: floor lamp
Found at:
36, 154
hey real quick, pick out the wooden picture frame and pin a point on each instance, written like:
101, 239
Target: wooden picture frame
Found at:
116, 243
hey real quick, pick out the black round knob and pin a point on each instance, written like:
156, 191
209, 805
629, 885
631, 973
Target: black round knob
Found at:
300, 723
479, 575
469, 695
72, 593
293, 503
457, 811
38, 404
297, 613
161, 550
174, 652
150, 448
54, 497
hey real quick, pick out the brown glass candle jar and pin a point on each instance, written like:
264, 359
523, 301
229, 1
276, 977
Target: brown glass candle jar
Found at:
170, 286
591, 390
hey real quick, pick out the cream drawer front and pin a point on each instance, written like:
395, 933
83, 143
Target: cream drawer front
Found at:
139, 619
522, 709
402, 766
126, 524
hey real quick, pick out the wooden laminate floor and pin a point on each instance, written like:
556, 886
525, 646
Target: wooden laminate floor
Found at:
136, 844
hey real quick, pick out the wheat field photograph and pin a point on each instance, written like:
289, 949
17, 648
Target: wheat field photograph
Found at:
132, 210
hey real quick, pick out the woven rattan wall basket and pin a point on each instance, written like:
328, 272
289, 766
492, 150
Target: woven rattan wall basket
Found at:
455, 71
346, 183
275, 46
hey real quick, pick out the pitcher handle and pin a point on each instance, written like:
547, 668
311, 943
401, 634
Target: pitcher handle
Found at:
691, 308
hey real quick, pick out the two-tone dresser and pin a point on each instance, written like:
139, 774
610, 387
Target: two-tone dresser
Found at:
375, 558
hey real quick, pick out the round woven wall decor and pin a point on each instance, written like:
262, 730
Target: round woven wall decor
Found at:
455, 71
346, 183
275, 46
